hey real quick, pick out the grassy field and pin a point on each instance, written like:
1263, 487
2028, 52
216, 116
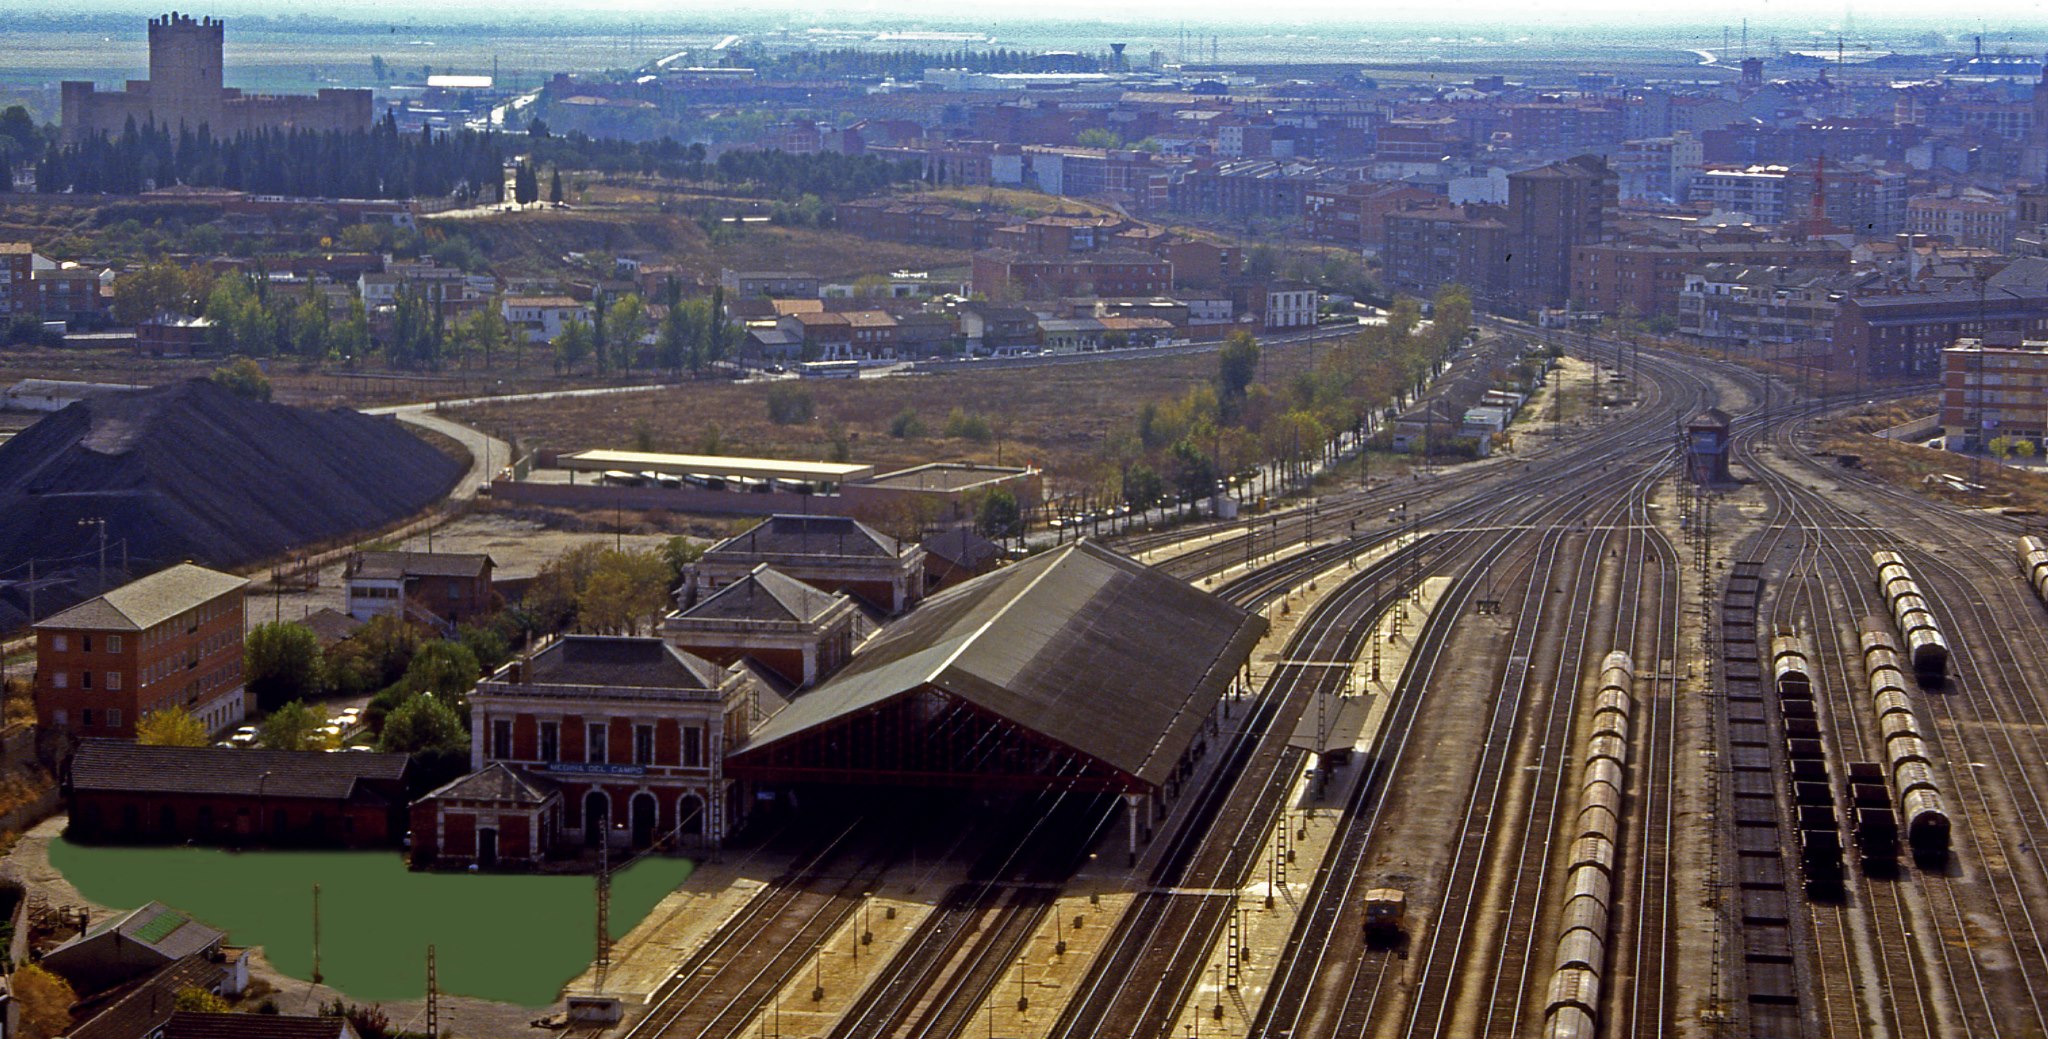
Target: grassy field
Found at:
1056, 416
377, 917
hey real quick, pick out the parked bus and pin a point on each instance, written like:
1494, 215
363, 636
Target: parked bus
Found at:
829, 369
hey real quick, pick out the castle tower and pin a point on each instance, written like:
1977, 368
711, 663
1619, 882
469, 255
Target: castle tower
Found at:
185, 77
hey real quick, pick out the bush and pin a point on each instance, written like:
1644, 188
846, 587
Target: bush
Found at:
243, 378
790, 405
962, 426
906, 425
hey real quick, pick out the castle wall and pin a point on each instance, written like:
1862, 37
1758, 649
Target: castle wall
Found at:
185, 89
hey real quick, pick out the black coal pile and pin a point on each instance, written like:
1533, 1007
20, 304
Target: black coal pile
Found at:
191, 471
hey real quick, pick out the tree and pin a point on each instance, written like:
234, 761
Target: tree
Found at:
172, 726
292, 727
162, 287
281, 663
625, 589
555, 187
423, 722
1096, 137
243, 378
526, 183
626, 323
443, 668
2024, 448
997, 515
196, 1000
45, 1001
1453, 315
573, 345
487, 643
1142, 486
2001, 447
388, 644
1237, 364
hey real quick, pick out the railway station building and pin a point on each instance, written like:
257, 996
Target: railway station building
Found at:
629, 732
1076, 669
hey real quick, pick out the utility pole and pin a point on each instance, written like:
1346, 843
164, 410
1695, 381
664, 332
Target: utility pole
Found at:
101, 523
316, 934
604, 909
433, 998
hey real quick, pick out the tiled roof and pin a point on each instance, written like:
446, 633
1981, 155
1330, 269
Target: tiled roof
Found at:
143, 1008
396, 565
766, 594
962, 547
118, 766
621, 661
145, 603
795, 535
498, 783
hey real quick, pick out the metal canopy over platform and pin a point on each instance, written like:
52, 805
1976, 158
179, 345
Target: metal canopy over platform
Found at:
714, 465
1079, 668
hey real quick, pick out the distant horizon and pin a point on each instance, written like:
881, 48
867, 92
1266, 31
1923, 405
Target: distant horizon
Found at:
1316, 18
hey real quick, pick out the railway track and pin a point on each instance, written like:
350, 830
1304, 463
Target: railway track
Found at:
753, 955
1960, 948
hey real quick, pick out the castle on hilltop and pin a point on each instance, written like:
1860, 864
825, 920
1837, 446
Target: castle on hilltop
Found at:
184, 88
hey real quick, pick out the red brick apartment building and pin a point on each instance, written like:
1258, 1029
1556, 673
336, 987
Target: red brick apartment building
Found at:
172, 639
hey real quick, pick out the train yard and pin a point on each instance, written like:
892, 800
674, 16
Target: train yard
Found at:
1759, 760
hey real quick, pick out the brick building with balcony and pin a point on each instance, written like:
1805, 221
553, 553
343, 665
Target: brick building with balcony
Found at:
1996, 386
172, 639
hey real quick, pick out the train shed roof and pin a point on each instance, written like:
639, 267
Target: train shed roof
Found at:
1085, 648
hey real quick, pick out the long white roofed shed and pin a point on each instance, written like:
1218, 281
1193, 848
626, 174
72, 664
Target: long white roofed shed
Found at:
715, 465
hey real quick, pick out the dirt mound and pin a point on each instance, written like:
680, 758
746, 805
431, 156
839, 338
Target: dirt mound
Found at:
191, 471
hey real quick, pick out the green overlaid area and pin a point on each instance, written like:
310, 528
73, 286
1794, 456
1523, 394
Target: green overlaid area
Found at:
507, 937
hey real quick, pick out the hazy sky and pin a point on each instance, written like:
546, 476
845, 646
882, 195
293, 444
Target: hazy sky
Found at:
1292, 15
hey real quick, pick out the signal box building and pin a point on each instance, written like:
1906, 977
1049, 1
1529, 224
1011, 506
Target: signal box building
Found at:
780, 624
1077, 669
834, 553
172, 639
1706, 447
632, 731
